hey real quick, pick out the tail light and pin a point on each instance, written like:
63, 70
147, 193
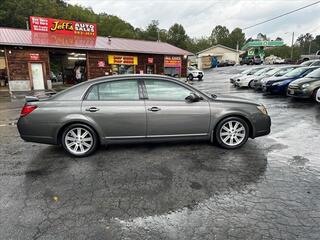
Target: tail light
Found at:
27, 109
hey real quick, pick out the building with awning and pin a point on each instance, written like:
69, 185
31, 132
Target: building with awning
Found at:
33, 59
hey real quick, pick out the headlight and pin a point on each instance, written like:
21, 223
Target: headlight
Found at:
305, 85
276, 83
263, 109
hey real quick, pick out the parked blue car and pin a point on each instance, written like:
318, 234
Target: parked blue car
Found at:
280, 85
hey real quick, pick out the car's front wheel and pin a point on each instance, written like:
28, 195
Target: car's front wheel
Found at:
251, 84
79, 140
190, 77
231, 132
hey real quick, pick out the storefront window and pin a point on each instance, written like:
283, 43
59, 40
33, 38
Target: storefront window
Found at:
122, 69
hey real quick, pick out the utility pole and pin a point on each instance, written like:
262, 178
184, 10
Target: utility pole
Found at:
292, 46
27, 23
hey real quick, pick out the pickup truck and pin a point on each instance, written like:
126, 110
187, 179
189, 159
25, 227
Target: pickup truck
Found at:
310, 57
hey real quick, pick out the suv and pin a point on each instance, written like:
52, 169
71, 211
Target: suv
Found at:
193, 72
255, 60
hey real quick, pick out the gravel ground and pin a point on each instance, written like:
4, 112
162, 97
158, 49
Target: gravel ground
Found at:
268, 189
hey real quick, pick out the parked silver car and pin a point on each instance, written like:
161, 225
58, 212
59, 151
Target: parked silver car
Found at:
130, 108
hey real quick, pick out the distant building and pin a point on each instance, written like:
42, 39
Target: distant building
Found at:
222, 53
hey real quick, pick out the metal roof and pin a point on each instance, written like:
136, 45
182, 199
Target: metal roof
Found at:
21, 37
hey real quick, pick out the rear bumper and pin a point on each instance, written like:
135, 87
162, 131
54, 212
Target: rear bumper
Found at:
39, 132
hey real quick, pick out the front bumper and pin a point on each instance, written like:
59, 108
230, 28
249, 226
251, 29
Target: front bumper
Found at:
299, 93
262, 125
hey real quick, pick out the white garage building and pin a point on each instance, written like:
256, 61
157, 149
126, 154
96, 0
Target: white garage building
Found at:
221, 52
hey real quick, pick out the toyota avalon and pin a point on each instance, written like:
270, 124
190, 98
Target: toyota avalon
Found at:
131, 108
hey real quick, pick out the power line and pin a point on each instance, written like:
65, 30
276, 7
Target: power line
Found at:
282, 15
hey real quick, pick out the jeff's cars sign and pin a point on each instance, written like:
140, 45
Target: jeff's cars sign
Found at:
50, 25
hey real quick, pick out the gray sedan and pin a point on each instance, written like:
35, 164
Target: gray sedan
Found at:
131, 108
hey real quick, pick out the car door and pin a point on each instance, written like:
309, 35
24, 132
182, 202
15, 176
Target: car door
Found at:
170, 115
117, 108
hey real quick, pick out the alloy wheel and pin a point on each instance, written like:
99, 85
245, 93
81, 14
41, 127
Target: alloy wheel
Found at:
232, 133
78, 141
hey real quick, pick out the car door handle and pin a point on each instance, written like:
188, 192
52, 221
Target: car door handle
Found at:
92, 109
154, 109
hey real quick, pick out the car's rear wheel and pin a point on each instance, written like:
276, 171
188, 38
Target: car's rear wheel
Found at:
79, 140
231, 132
200, 78
190, 77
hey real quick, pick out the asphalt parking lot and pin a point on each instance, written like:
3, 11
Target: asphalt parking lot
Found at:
268, 189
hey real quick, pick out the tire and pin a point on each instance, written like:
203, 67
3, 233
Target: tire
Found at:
227, 139
200, 78
190, 77
250, 85
314, 94
79, 147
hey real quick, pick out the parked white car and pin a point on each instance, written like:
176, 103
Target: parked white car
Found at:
193, 72
247, 81
244, 73
274, 60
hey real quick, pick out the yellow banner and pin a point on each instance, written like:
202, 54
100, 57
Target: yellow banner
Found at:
122, 60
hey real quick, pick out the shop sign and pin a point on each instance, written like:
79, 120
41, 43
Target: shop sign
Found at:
122, 60
66, 27
101, 63
62, 40
150, 60
34, 56
172, 61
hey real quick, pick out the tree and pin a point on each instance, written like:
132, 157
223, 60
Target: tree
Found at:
152, 30
262, 37
278, 39
177, 36
236, 37
219, 35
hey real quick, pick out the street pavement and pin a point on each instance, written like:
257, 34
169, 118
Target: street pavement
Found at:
268, 189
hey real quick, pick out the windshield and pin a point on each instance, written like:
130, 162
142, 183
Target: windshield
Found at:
295, 72
261, 71
314, 74
284, 71
192, 68
246, 71
307, 63
272, 71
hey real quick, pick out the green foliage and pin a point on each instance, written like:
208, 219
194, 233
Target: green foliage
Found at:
177, 36
284, 52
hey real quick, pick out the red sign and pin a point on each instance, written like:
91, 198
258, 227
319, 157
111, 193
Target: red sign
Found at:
150, 60
34, 56
62, 40
172, 61
101, 63
50, 25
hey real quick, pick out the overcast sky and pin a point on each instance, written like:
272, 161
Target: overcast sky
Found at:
200, 16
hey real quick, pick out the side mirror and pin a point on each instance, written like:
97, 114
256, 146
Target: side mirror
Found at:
193, 98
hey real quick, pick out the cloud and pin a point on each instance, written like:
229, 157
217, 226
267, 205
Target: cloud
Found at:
199, 17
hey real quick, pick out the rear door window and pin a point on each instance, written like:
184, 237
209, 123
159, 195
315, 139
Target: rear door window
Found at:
114, 91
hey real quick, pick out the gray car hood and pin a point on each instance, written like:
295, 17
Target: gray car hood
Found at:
229, 98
